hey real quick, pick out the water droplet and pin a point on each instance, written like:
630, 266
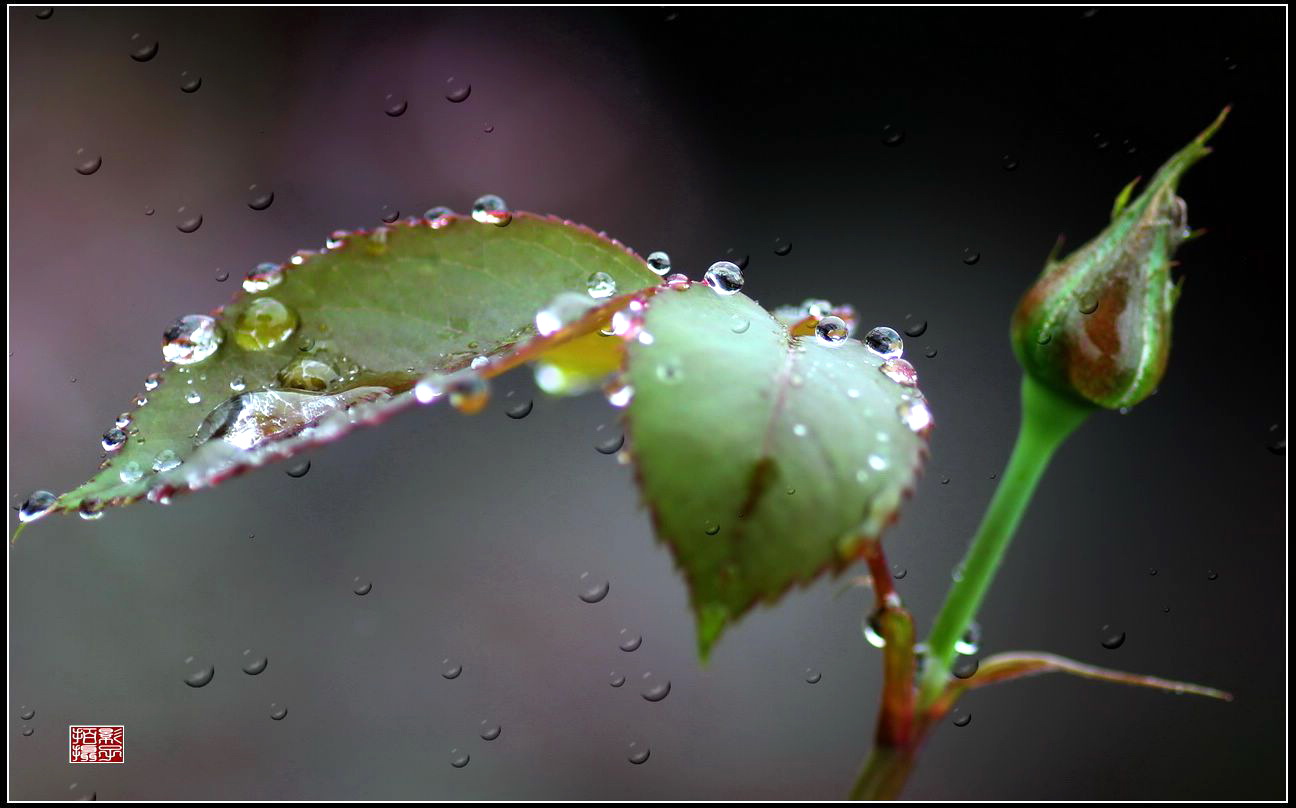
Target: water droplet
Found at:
961, 719
930, 353
892, 135
610, 445
362, 588
655, 690
740, 258
520, 410
37, 504
739, 324
615, 679
630, 642
190, 83
166, 460
724, 278
872, 627
812, 676
917, 329
970, 642
711, 528
198, 674
782, 246
831, 331
491, 209
1010, 163
44, 13
1044, 338
489, 731
260, 199
600, 285
899, 371
459, 759
149, 211
27, 732
468, 391
970, 256
899, 572
566, 308
394, 106
594, 591
193, 397
457, 91
87, 163
659, 262
143, 49
152, 381
188, 223
191, 339
131, 473
488, 128
388, 215
619, 394
438, 216
221, 276
638, 755
253, 664
1088, 304
140, 401
27, 713
450, 670
90, 510
299, 469
113, 440
237, 384
1112, 639
1277, 446
264, 277
278, 712
306, 373
1212, 575
884, 342
965, 667
264, 324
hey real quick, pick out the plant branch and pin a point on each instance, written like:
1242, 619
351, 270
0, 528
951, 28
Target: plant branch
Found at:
1048, 417
1016, 665
888, 766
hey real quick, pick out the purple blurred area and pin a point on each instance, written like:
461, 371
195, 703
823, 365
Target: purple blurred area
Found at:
709, 133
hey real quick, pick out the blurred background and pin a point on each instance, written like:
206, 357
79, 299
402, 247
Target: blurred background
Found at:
887, 146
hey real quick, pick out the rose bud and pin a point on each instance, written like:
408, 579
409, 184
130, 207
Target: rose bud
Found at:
1096, 325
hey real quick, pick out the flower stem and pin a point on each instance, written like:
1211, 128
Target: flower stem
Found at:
1048, 417
885, 773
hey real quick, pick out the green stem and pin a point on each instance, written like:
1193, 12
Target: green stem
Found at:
885, 773
1048, 417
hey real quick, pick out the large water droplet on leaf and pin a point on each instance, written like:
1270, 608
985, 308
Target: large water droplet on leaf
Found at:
191, 339
724, 277
264, 324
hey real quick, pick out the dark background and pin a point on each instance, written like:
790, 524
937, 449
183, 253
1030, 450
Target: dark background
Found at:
695, 131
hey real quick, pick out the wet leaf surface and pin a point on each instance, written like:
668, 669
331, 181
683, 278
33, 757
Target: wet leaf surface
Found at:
766, 455
340, 337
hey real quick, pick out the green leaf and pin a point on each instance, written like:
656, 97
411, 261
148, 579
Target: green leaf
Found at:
360, 323
1123, 198
765, 455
